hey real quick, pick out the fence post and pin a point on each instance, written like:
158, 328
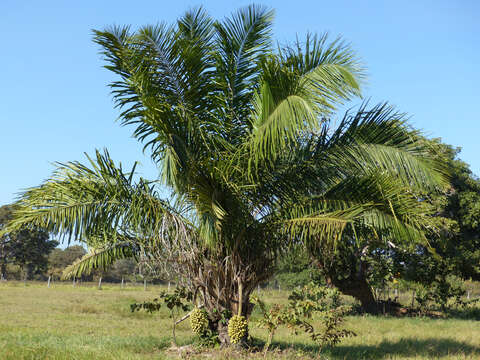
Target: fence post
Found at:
169, 286
122, 283
48, 284
74, 281
100, 283
144, 284
413, 297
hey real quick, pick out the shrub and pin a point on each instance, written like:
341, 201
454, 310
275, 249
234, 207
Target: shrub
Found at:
177, 302
297, 315
444, 291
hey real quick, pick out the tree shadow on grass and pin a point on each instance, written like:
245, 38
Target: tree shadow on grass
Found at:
465, 314
434, 347
408, 347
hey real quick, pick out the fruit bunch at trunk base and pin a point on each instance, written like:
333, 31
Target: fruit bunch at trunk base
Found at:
237, 328
199, 321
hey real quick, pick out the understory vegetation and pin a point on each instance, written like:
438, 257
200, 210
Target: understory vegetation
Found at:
63, 322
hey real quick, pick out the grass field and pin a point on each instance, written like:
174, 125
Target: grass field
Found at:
63, 322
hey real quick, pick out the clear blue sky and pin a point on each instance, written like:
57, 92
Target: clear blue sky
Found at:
422, 56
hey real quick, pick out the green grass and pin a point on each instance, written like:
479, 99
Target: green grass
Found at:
63, 322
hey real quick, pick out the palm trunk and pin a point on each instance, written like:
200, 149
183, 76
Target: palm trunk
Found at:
218, 286
230, 306
214, 274
222, 330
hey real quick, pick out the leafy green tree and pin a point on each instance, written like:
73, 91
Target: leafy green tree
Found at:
462, 206
354, 266
31, 251
452, 250
295, 268
6, 243
453, 253
27, 247
239, 130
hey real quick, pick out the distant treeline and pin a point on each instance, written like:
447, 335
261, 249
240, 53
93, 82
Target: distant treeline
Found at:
58, 259
30, 254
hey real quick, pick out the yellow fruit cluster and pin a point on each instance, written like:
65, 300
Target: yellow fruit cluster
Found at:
237, 328
198, 321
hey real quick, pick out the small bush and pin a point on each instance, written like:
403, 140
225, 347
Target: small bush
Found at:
445, 291
297, 315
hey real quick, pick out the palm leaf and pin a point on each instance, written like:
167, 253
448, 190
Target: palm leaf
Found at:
298, 88
81, 202
242, 40
98, 258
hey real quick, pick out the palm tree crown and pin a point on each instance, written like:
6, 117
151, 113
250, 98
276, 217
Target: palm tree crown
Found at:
240, 130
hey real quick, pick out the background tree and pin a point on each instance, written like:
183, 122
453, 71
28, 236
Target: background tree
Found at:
463, 207
32, 247
351, 267
122, 268
59, 259
6, 244
238, 128
356, 266
27, 247
454, 253
295, 268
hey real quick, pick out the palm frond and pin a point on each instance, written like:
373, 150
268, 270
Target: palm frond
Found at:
165, 78
379, 138
242, 40
330, 71
81, 202
299, 87
320, 221
99, 258
278, 124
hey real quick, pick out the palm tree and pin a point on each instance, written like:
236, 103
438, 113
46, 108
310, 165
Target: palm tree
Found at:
239, 130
